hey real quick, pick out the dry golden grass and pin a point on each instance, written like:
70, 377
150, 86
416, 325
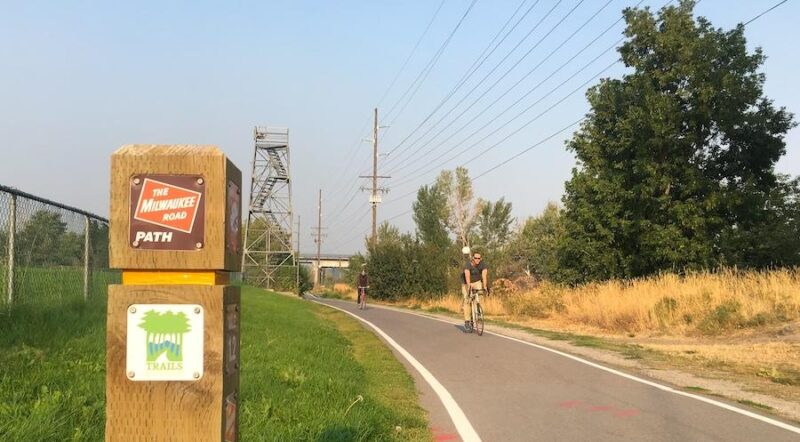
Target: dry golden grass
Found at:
701, 303
344, 290
762, 356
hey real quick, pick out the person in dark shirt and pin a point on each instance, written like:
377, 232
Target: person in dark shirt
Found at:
476, 276
363, 283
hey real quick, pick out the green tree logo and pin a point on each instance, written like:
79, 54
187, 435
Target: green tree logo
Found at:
165, 334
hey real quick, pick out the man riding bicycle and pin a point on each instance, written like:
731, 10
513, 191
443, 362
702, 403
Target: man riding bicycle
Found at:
363, 284
476, 276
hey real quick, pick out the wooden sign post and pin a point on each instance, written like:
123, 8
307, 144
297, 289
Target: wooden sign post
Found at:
173, 323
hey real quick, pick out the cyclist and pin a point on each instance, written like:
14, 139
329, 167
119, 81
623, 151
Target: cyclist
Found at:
476, 276
363, 284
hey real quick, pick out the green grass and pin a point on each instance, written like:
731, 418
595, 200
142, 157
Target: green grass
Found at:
49, 285
303, 366
755, 405
52, 372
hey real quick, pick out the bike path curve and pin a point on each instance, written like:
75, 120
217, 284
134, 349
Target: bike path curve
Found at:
512, 391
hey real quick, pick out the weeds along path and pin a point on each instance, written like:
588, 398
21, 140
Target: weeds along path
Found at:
513, 390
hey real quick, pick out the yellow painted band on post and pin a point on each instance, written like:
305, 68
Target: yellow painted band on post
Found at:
198, 277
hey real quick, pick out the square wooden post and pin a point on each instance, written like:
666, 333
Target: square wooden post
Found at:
173, 323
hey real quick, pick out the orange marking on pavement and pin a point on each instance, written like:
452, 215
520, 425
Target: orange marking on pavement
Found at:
441, 436
626, 413
570, 404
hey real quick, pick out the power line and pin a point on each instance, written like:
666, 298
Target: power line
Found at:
528, 93
413, 51
580, 87
353, 187
541, 62
539, 143
336, 216
354, 149
518, 154
519, 114
508, 71
358, 231
472, 69
503, 163
759, 15
475, 65
429, 67
353, 152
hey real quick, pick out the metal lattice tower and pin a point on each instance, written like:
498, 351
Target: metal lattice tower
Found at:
268, 233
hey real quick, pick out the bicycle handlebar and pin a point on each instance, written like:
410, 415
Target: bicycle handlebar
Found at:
484, 292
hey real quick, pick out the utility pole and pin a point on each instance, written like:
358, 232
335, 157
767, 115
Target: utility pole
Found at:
374, 198
297, 261
318, 235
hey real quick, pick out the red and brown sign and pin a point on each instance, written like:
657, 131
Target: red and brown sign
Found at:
234, 217
231, 404
167, 212
231, 333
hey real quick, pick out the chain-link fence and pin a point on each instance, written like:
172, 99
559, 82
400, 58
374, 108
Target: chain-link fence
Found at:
49, 252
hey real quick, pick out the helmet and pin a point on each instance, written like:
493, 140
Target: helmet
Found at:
465, 250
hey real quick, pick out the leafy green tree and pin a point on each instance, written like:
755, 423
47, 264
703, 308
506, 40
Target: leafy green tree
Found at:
671, 155
354, 268
772, 237
389, 267
430, 262
536, 244
429, 269
3, 246
431, 216
98, 237
40, 239
306, 283
400, 266
71, 249
494, 225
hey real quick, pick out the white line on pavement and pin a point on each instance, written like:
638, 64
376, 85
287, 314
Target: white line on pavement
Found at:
723, 405
462, 424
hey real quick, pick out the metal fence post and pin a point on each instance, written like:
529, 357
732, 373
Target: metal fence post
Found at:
12, 229
86, 258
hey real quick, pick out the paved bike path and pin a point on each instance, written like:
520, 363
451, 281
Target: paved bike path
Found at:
510, 391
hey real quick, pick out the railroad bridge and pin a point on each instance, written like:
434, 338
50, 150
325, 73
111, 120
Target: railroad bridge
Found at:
331, 265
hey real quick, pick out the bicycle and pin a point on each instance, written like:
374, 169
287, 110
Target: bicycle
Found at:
362, 298
476, 310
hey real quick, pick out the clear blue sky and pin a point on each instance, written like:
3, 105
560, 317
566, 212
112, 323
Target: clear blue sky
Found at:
80, 79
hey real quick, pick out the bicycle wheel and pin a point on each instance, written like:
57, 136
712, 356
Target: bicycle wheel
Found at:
478, 319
